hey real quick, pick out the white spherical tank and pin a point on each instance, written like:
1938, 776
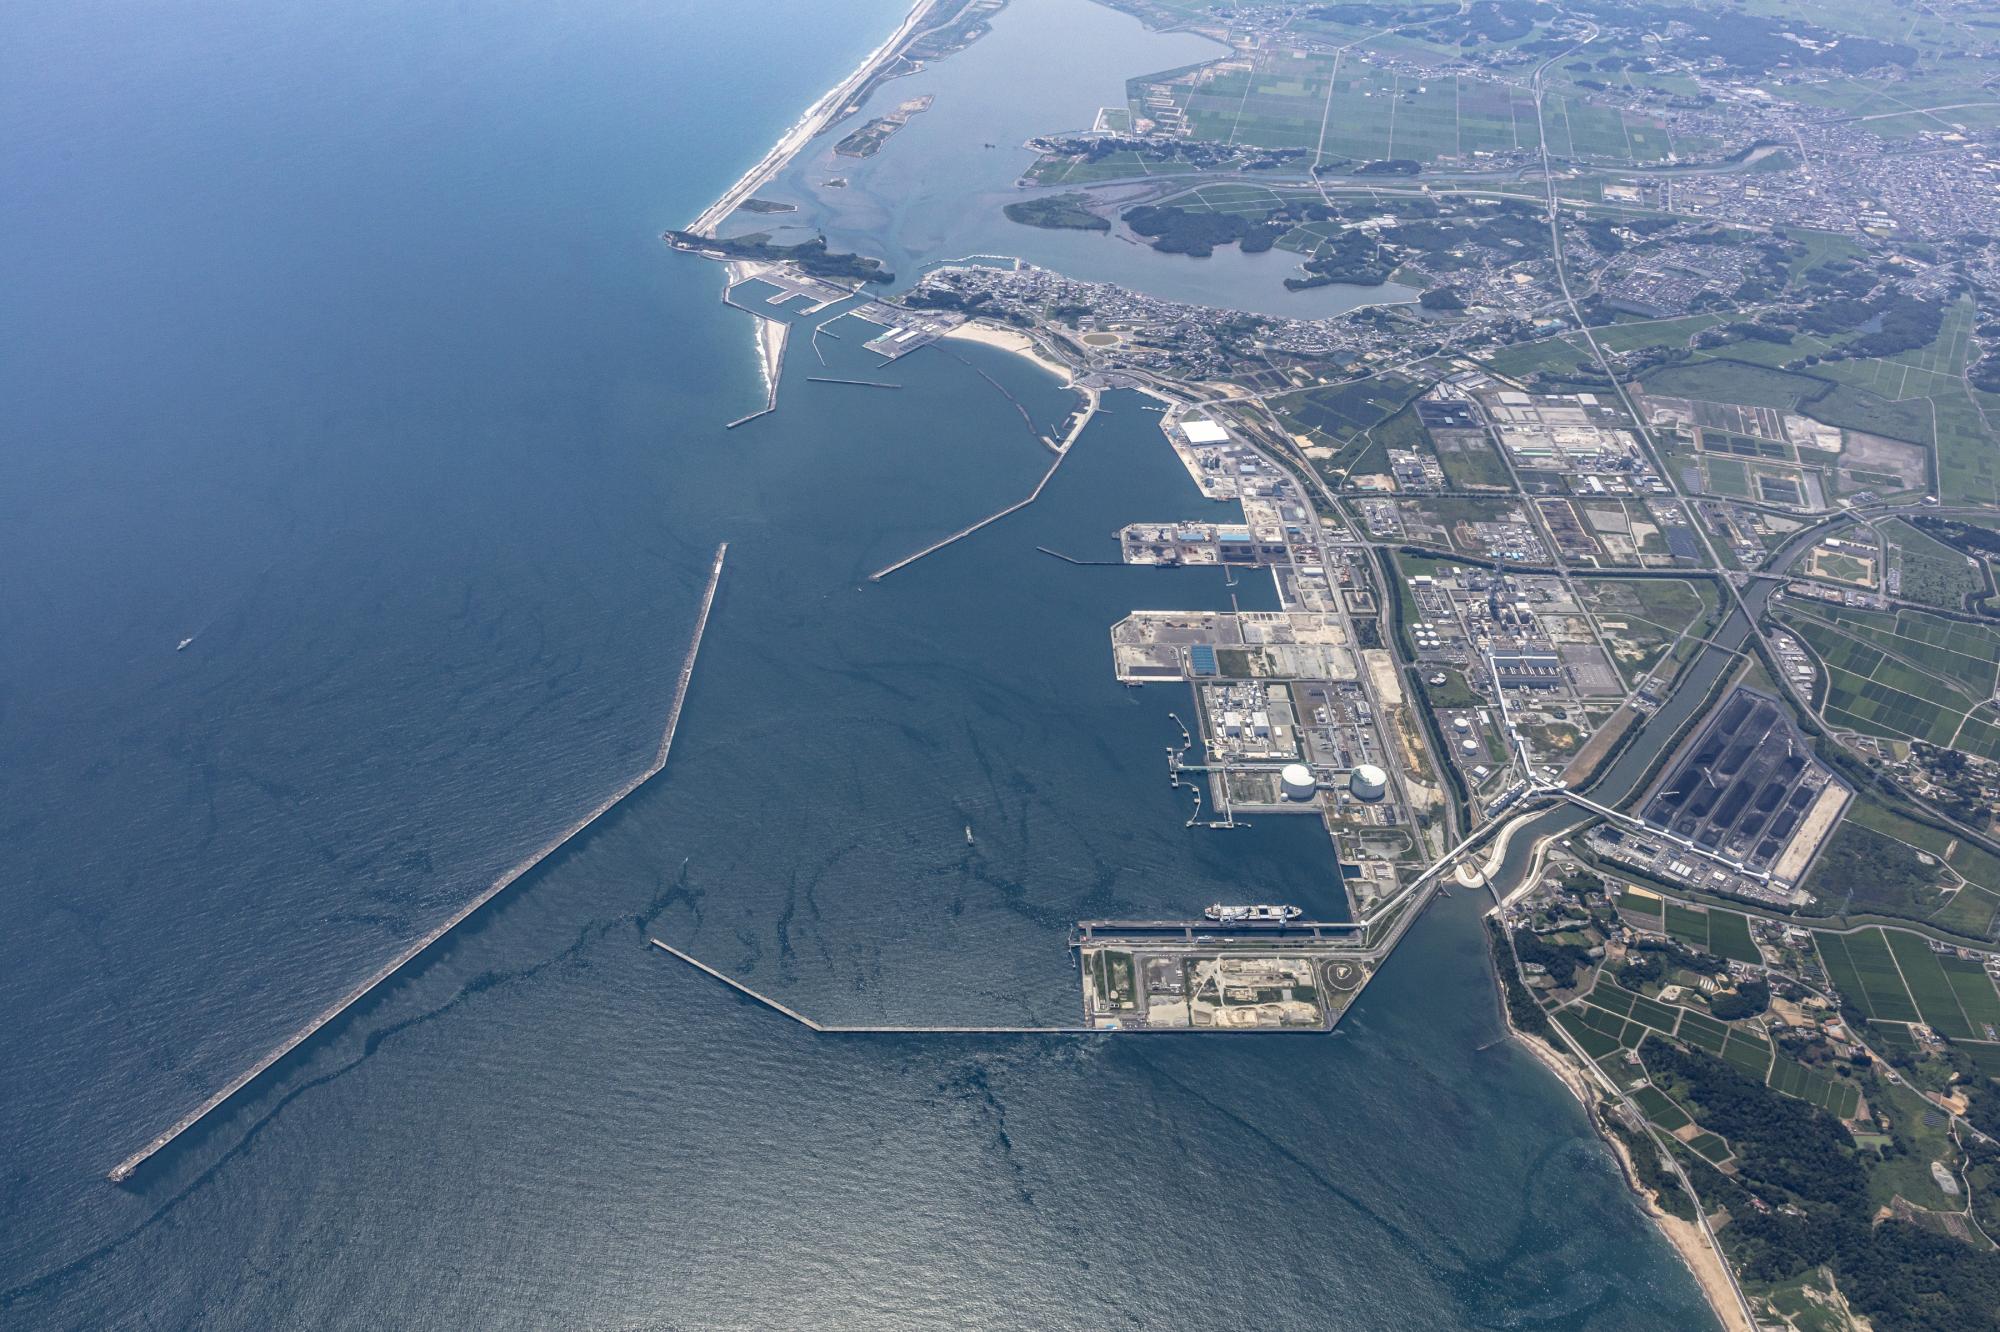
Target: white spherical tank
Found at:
1297, 780
1368, 782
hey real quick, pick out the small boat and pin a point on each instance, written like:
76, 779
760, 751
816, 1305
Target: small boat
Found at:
182, 644
968, 834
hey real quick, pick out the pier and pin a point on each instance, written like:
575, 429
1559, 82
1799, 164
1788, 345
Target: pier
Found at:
835, 1029
124, 1169
857, 383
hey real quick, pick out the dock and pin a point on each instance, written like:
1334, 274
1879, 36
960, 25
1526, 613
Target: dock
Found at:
124, 1169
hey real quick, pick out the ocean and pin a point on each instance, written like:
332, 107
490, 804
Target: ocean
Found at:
344, 346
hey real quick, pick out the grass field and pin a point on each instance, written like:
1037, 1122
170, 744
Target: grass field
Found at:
1977, 998
1723, 933
1749, 1052
1701, 1030
1341, 106
1903, 685
1795, 1079
1865, 972
1929, 986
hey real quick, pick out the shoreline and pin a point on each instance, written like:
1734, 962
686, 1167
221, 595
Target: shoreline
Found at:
1707, 1266
816, 119
1011, 340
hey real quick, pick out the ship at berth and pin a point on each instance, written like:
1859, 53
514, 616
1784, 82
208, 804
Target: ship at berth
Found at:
1251, 915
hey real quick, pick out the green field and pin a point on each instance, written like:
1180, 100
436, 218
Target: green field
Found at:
1723, 933
1977, 998
1928, 984
1729, 937
1702, 1030
1795, 1079
1646, 1012
1341, 107
1595, 1043
1865, 972
1883, 690
1749, 1052
1646, 908
1659, 1108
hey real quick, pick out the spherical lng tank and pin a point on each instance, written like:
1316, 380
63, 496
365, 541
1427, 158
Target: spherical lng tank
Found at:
1368, 782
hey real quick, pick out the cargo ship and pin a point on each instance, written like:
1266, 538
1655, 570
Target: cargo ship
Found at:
1251, 915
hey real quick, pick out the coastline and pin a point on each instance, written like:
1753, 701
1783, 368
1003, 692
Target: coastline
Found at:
1703, 1262
817, 117
1010, 340
771, 332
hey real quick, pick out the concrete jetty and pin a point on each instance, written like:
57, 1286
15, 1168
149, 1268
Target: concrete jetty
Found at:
836, 1029
124, 1169
1062, 452
965, 532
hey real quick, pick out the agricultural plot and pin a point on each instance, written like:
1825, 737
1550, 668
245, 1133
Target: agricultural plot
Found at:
1660, 1108
1687, 925
1965, 656
1929, 986
1699, 1029
1729, 937
1795, 1079
1346, 107
1977, 998
1865, 972
1871, 691
1748, 1052
1595, 1042
1723, 933
1644, 906
1646, 1012
1710, 1147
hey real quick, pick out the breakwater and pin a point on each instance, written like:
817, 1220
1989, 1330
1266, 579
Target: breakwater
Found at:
125, 1169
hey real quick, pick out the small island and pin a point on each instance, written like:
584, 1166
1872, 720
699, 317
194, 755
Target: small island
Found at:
1061, 212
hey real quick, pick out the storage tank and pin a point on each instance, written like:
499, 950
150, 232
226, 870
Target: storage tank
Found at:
1297, 780
1368, 782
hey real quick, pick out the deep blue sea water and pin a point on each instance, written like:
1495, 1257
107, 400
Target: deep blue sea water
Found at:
342, 342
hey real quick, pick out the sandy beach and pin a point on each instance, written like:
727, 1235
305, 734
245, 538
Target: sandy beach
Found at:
807, 127
1696, 1253
1009, 340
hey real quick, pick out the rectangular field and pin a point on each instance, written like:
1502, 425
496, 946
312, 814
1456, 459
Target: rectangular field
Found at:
1976, 995
1929, 986
1702, 1030
1865, 971
1729, 937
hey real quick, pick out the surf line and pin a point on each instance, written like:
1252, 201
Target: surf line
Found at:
124, 1169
